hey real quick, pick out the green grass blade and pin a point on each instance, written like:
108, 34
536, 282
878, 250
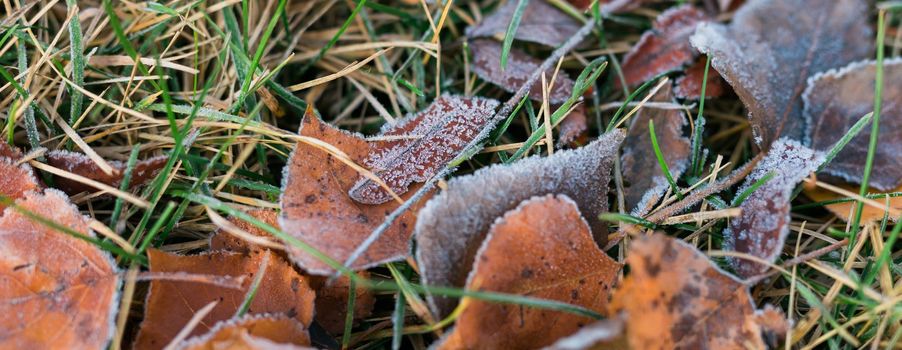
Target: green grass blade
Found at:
662, 163
512, 31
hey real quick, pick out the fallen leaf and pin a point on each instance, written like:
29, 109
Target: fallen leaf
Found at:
171, 303
251, 332
221, 240
80, 164
835, 100
56, 291
644, 181
573, 127
317, 210
608, 6
665, 47
762, 227
675, 298
15, 180
441, 131
7, 151
332, 302
520, 66
843, 210
771, 48
689, 86
451, 227
540, 23
542, 249
600, 335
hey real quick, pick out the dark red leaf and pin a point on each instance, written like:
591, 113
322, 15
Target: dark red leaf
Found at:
80, 164
689, 86
541, 23
520, 66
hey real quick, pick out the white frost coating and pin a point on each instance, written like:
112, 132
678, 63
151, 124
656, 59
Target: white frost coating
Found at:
762, 227
452, 225
232, 322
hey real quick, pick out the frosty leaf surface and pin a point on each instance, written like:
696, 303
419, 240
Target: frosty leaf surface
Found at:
665, 47
689, 86
80, 164
520, 66
251, 332
541, 23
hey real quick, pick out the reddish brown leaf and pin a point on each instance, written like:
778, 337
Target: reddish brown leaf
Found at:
251, 332
689, 86
16, 180
773, 46
56, 291
520, 66
608, 6
763, 225
224, 241
451, 227
835, 100
542, 249
675, 298
444, 129
600, 335
332, 302
644, 181
7, 151
573, 127
665, 47
541, 23
316, 207
80, 164
171, 303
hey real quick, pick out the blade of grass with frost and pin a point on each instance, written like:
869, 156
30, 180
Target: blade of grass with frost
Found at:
349, 316
31, 126
748, 191
697, 162
875, 126
261, 46
661, 162
76, 54
512, 31
126, 178
617, 217
585, 80
397, 318
241, 67
334, 40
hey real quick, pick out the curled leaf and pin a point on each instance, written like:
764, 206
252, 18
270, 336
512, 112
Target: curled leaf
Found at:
80, 164
771, 48
171, 303
487, 64
316, 207
644, 182
689, 86
422, 144
56, 291
762, 227
675, 298
540, 23
835, 100
665, 47
251, 332
542, 249
452, 225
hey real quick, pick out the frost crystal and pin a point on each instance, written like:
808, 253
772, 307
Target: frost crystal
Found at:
451, 227
764, 223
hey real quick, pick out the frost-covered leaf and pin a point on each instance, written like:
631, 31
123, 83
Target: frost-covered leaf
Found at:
689, 86
762, 227
542, 249
425, 142
600, 335
573, 127
835, 100
771, 48
56, 291
541, 23
15, 180
452, 225
675, 298
520, 66
316, 207
644, 181
665, 47
80, 164
251, 332
172, 302
221, 240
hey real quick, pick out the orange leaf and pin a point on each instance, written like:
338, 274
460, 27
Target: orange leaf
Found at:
332, 302
771, 49
675, 298
15, 180
453, 225
171, 303
251, 332
80, 164
520, 66
316, 207
56, 291
542, 249
225, 241
843, 210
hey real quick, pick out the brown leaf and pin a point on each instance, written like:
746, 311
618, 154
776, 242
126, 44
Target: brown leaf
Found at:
573, 127
600, 335
251, 332
451, 227
15, 180
835, 100
224, 241
316, 207
763, 225
541, 23
542, 249
332, 302
520, 66
608, 6
443, 130
80, 164
171, 303
675, 298
689, 86
665, 47
644, 181
843, 210
57, 291
7, 151
773, 46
